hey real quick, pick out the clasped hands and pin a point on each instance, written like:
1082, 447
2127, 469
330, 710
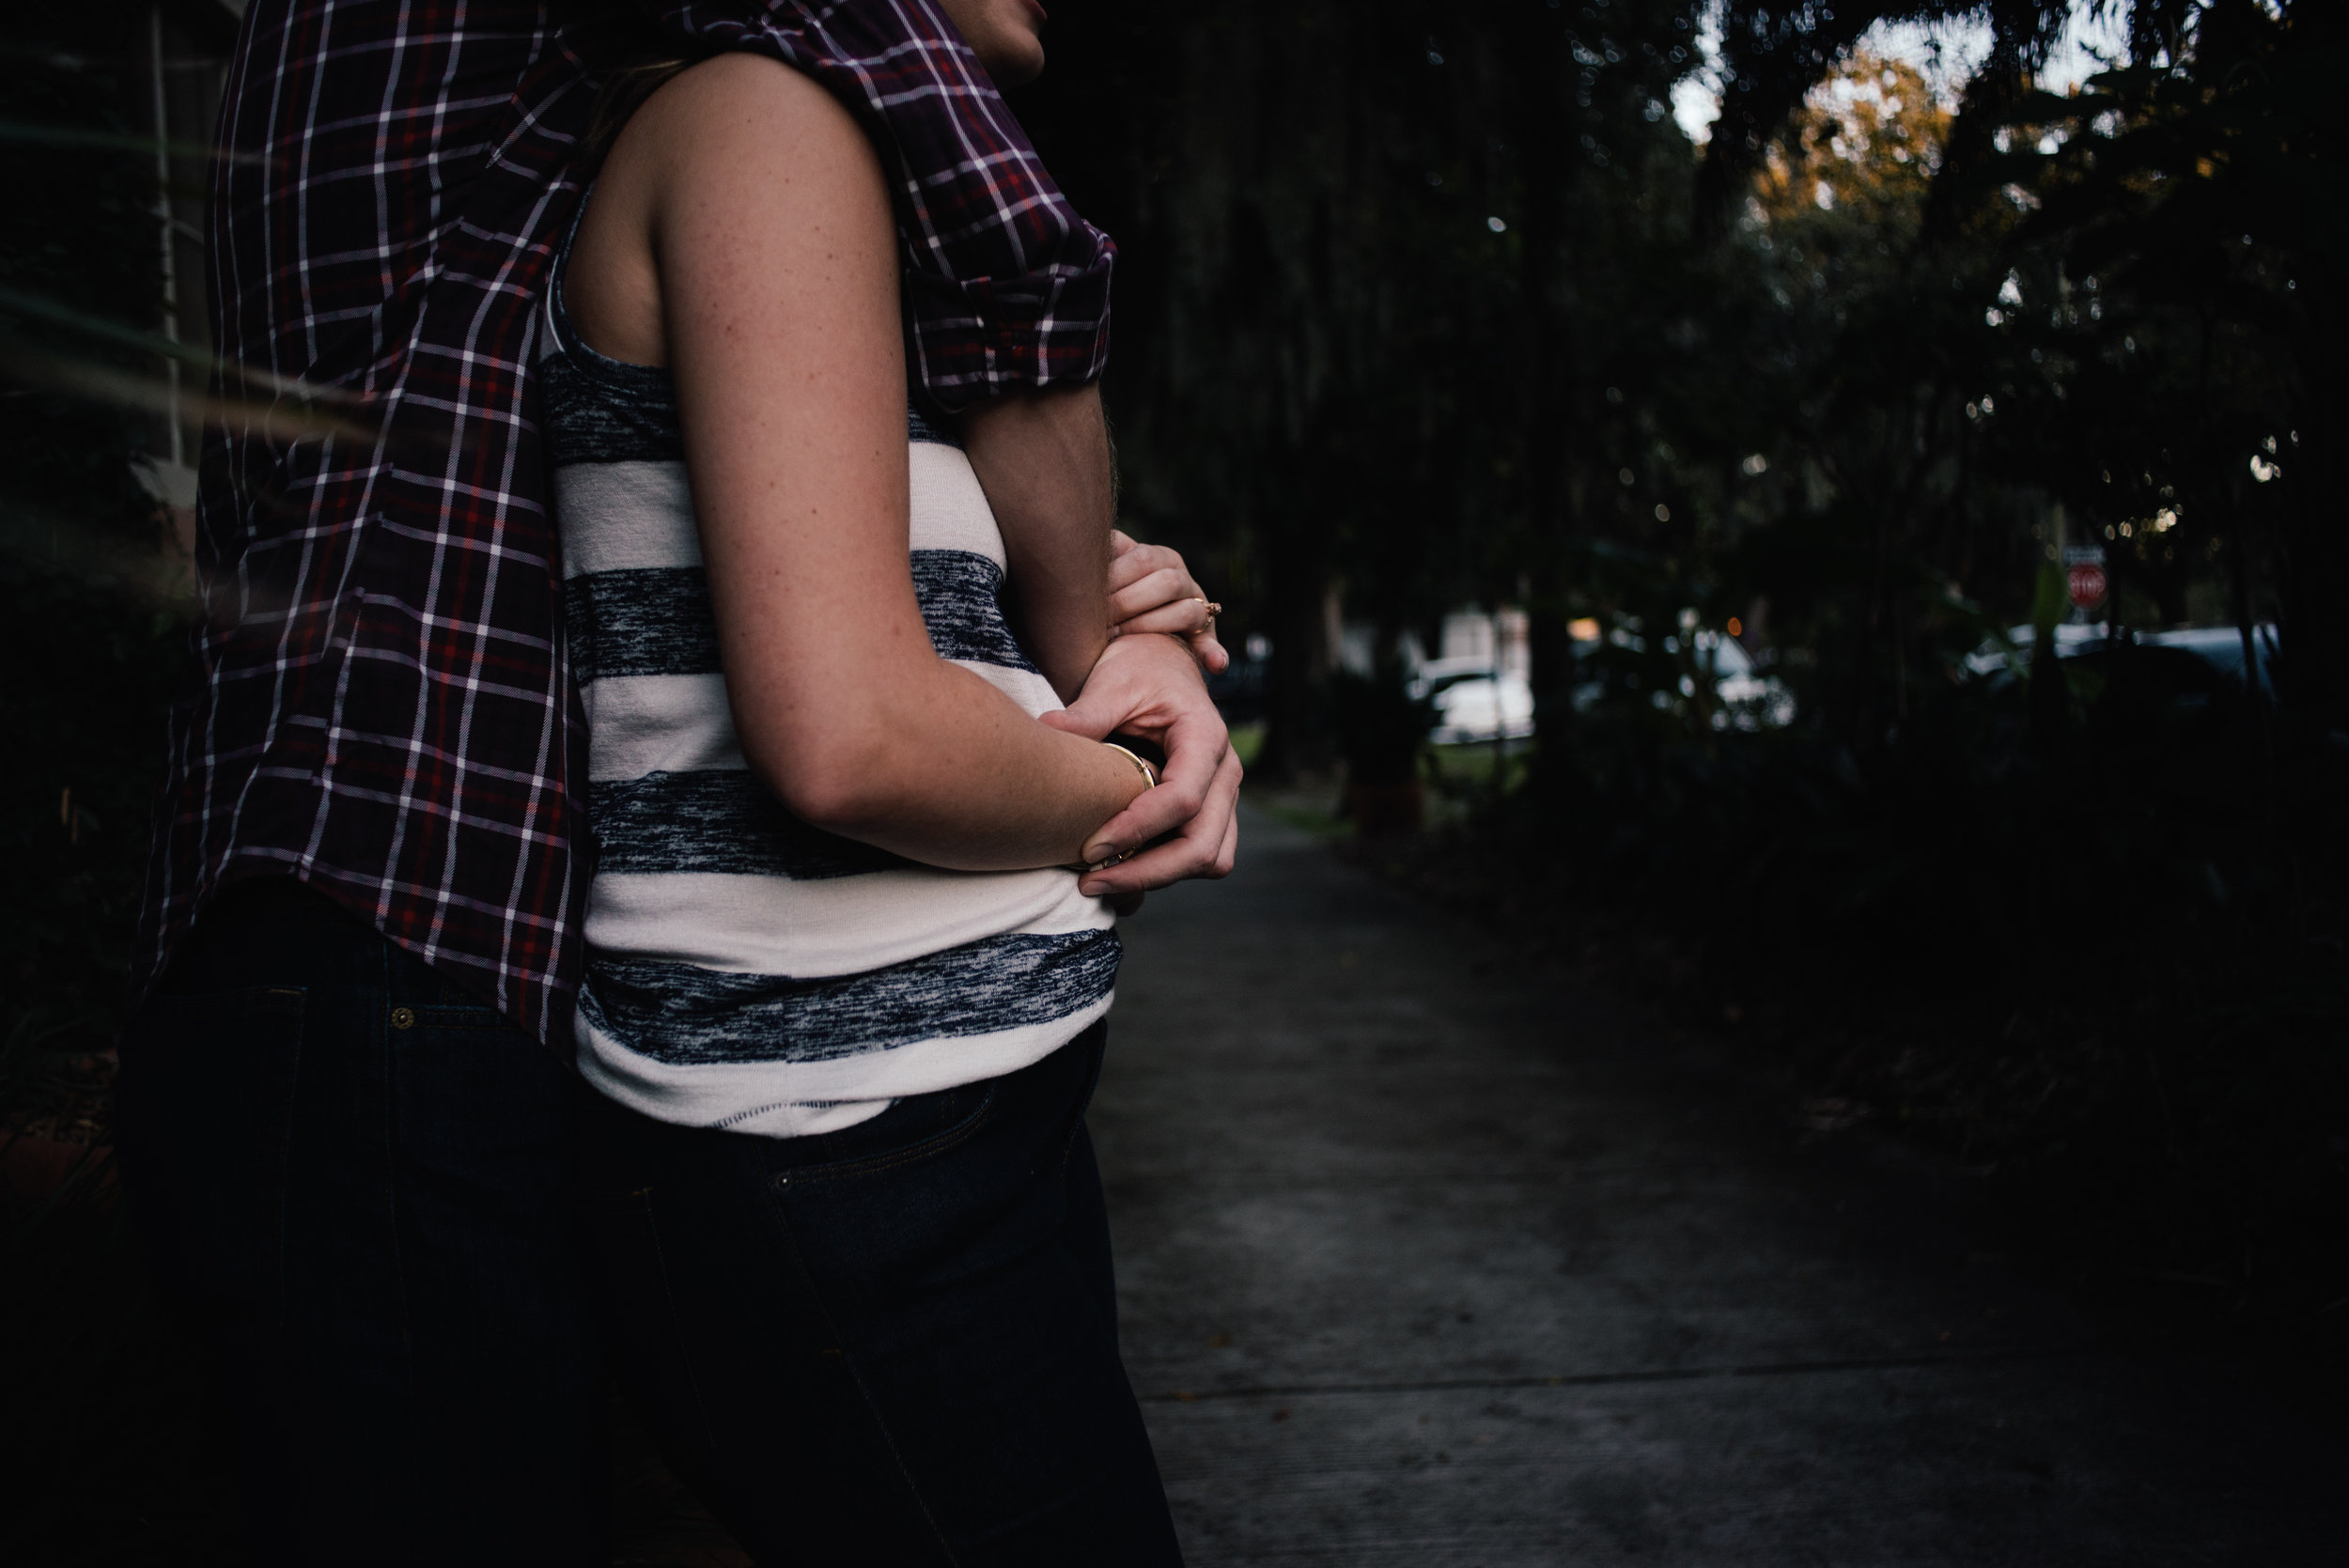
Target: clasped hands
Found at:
1147, 684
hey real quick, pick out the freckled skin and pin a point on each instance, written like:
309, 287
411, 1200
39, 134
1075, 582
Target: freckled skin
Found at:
792, 398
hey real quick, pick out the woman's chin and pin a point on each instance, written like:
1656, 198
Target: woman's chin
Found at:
1018, 64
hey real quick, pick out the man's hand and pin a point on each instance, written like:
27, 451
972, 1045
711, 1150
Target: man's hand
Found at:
1152, 590
1148, 685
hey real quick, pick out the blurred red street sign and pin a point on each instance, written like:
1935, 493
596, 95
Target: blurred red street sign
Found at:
2087, 582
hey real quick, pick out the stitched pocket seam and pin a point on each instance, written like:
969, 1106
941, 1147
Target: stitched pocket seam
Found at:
936, 1144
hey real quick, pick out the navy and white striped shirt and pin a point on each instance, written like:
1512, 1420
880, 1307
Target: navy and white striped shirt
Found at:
744, 969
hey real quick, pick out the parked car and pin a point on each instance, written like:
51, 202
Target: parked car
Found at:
2221, 648
2218, 647
1746, 697
1473, 701
1750, 700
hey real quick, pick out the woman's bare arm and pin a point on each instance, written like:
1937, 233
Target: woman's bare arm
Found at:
765, 218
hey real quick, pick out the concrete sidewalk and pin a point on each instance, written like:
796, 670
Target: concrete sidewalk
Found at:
1424, 1263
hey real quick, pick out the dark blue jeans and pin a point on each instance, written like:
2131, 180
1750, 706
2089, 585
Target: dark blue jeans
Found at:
354, 1183
892, 1345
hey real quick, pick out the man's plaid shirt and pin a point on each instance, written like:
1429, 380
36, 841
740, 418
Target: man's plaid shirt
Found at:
380, 704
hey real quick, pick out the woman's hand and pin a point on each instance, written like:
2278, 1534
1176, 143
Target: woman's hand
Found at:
1151, 590
1147, 686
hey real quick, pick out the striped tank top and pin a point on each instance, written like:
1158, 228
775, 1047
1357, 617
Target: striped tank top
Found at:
745, 970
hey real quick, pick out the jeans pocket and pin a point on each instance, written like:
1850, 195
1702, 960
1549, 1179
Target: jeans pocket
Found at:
917, 1128
205, 1107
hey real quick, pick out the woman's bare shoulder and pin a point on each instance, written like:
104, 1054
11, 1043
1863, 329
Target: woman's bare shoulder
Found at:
739, 111
730, 147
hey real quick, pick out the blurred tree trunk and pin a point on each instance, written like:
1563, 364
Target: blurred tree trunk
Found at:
2315, 575
2312, 669
1539, 121
1297, 582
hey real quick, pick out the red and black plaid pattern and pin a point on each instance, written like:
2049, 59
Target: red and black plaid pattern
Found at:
380, 702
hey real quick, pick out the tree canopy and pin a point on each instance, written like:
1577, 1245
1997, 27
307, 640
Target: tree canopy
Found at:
1438, 303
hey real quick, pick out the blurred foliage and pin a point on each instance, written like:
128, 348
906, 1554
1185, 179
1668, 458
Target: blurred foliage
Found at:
111, 1455
2111, 985
94, 621
1380, 726
1428, 304
100, 665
